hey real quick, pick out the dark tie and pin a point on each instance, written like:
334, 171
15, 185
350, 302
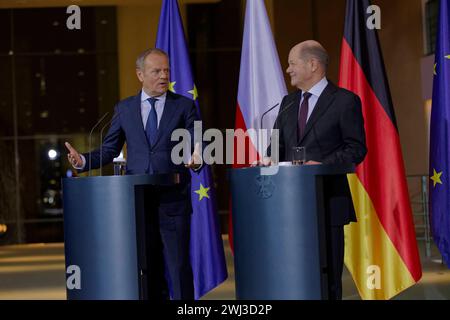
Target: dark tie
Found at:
303, 115
151, 128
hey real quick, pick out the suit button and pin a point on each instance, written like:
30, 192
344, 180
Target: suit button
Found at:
152, 152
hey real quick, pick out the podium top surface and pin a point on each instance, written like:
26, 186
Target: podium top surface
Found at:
285, 167
152, 179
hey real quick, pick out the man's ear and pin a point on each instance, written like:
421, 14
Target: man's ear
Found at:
140, 75
314, 65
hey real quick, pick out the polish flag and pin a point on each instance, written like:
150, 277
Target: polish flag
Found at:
261, 82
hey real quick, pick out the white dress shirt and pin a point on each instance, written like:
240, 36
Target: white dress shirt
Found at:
315, 91
146, 106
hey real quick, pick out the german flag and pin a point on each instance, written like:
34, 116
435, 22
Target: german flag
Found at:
381, 249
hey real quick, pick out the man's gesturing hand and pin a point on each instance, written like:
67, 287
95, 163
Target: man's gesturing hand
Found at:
196, 160
73, 156
264, 162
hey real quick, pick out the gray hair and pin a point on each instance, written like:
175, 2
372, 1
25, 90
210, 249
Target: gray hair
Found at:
141, 58
316, 52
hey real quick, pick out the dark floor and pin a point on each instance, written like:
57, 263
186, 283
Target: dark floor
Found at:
36, 271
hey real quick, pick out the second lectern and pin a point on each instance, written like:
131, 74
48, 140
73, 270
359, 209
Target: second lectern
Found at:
280, 231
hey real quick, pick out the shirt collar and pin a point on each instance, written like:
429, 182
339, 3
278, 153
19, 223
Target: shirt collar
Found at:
318, 88
145, 96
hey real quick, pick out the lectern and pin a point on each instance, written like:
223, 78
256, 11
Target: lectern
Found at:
280, 231
103, 235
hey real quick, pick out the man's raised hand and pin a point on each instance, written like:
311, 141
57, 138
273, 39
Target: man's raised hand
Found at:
73, 156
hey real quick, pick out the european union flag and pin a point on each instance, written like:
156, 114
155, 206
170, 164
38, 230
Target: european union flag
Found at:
207, 255
440, 138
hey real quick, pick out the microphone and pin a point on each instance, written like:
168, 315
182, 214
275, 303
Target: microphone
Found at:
262, 117
260, 137
278, 116
115, 115
275, 124
90, 138
281, 112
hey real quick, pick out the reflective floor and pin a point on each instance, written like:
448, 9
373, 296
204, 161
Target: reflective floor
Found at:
36, 271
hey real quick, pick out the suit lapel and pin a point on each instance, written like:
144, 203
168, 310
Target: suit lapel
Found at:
292, 113
170, 107
137, 115
322, 105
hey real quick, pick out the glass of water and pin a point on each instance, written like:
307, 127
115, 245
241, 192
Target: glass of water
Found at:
298, 155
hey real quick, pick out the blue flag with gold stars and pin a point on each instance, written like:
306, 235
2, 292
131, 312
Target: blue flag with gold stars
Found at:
206, 247
440, 138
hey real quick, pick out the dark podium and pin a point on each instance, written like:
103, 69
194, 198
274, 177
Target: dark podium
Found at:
104, 241
280, 231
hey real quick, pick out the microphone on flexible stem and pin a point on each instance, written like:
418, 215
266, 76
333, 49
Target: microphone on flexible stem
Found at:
90, 139
260, 143
262, 117
101, 139
281, 112
278, 116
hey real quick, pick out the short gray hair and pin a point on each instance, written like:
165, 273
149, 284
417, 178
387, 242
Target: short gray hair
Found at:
316, 52
141, 58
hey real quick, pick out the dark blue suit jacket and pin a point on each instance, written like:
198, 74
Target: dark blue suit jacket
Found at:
334, 134
126, 125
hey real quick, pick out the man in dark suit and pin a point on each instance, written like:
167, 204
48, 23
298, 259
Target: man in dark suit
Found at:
145, 122
328, 122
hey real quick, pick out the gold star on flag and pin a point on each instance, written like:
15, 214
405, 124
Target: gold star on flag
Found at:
436, 177
202, 192
194, 93
447, 57
172, 86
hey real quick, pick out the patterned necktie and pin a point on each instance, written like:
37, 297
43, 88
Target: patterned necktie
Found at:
151, 128
303, 115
